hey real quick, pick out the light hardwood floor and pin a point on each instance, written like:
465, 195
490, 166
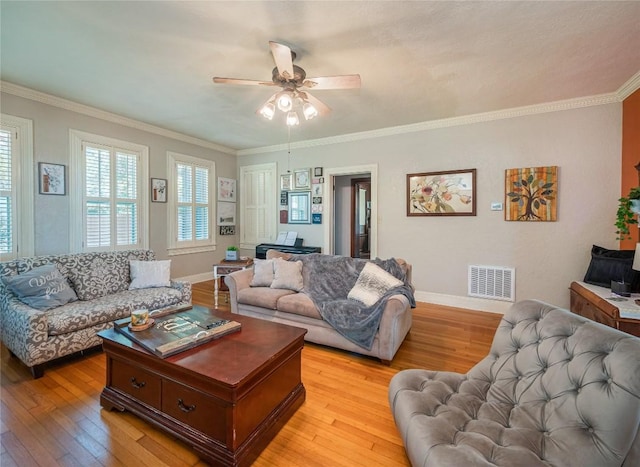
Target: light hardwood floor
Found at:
345, 420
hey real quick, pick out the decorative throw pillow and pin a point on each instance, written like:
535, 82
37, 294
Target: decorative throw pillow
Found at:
262, 273
287, 275
373, 282
146, 274
42, 288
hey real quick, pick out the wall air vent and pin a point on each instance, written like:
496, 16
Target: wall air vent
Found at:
492, 282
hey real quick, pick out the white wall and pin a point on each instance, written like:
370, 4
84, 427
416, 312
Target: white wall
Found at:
51, 126
586, 145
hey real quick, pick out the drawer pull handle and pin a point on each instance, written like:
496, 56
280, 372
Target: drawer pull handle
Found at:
185, 408
135, 383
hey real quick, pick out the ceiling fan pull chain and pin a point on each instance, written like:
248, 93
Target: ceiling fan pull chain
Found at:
288, 149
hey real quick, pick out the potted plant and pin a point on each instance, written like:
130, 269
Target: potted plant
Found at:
232, 253
628, 207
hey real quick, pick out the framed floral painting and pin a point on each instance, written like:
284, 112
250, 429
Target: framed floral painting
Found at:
447, 193
226, 189
158, 190
52, 179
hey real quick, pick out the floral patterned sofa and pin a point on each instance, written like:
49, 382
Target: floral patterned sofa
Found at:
101, 282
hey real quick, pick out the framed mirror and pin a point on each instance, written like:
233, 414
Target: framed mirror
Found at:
299, 207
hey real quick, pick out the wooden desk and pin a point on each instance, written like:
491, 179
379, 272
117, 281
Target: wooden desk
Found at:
222, 269
600, 305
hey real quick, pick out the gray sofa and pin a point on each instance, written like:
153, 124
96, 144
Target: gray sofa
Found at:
298, 309
555, 390
101, 281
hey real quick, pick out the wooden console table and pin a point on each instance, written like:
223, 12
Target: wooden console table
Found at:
600, 305
222, 269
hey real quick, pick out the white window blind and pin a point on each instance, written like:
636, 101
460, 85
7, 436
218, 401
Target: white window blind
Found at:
17, 177
191, 204
7, 196
110, 210
111, 198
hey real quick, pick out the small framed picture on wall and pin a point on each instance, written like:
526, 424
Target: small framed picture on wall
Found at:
158, 190
51, 179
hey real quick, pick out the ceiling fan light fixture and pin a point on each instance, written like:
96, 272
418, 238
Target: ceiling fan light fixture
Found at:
268, 110
285, 101
309, 111
292, 119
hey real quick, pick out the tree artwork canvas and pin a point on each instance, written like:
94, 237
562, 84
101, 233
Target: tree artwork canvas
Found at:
531, 194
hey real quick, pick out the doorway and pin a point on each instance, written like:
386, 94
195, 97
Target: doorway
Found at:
340, 221
360, 217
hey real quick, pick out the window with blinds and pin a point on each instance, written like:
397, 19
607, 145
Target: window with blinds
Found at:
112, 192
17, 188
110, 208
191, 203
7, 196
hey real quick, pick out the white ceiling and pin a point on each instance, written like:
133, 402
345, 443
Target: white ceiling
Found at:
419, 61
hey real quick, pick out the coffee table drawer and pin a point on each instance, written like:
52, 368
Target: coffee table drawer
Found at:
199, 411
144, 386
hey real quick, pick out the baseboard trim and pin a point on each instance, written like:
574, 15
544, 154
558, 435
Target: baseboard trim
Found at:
203, 276
470, 303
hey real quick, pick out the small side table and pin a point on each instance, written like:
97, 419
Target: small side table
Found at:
222, 269
599, 304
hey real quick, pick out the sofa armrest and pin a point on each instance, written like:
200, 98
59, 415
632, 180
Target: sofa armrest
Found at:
22, 327
397, 318
237, 281
407, 268
184, 287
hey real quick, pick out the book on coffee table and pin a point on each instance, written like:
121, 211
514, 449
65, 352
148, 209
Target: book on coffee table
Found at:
178, 331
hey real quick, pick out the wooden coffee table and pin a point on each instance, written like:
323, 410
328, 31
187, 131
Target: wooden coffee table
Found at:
226, 398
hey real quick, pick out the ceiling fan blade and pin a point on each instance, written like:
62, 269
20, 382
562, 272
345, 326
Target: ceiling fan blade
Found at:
321, 107
333, 82
249, 82
282, 57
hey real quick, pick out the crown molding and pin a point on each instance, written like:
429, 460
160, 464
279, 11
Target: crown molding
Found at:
66, 104
625, 91
631, 86
515, 112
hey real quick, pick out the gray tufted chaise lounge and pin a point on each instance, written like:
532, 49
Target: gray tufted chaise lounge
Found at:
556, 390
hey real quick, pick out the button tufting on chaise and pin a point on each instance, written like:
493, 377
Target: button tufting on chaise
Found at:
532, 401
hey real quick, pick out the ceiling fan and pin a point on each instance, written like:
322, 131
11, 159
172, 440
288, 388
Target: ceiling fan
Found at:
295, 85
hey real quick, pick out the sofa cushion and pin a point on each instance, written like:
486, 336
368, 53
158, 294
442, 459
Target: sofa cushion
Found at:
145, 274
275, 254
299, 304
80, 315
372, 283
265, 297
42, 288
262, 273
98, 274
287, 275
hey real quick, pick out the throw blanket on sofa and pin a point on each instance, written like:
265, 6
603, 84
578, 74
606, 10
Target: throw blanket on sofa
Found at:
328, 280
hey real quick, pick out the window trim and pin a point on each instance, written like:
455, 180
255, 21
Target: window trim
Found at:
25, 217
173, 249
76, 196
